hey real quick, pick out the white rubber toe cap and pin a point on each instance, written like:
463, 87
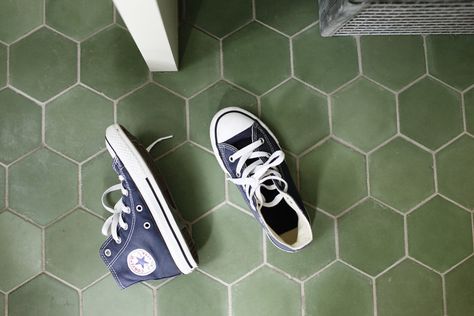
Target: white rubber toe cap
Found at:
231, 124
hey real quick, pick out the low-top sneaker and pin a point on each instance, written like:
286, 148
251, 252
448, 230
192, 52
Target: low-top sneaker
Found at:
250, 155
147, 238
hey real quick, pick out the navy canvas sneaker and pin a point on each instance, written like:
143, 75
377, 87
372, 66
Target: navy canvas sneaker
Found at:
250, 155
147, 240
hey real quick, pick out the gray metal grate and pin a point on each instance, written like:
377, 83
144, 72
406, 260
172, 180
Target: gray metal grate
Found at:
379, 18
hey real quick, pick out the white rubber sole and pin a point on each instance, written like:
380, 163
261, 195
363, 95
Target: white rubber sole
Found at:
119, 145
212, 131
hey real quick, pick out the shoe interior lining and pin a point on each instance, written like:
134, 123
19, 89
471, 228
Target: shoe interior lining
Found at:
283, 220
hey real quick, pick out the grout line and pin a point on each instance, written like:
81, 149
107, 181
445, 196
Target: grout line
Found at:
78, 67
330, 116
8, 66
336, 238
221, 58
229, 300
187, 120
447, 85
397, 112
43, 249
359, 54
254, 10
374, 296
292, 63
435, 173
425, 53
463, 112
155, 301
405, 235
444, 300
303, 299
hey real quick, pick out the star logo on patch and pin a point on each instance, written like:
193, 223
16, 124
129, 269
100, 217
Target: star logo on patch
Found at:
141, 262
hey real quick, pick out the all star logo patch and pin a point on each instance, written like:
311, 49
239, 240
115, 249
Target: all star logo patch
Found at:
140, 262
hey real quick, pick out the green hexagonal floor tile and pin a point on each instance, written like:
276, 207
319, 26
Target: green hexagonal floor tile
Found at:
332, 177
450, 59
19, 17
323, 62
236, 197
20, 242
2, 187
401, 174
195, 180
339, 290
371, 237
106, 298
203, 296
152, 112
229, 242
45, 296
364, 114
76, 121
3, 65
256, 58
434, 228
111, 63
21, 125
409, 289
68, 242
219, 17
426, 104
314, 257
469, 110
43, 186
203, 107
199, 64
394, 61
43, 64
97, 175
297, 114
460, 289
79, 19
266, 292
455, 165
286, 15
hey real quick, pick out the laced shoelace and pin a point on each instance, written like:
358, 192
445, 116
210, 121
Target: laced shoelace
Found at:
114, 221
254, 177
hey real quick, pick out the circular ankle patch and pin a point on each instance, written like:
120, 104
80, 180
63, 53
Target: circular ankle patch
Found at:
140, 262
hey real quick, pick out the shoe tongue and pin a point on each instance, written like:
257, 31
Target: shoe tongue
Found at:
242, 139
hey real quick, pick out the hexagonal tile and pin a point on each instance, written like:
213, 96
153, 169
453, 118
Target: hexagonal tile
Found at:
199, 64
256, 58
373, 231
43, 186
409, 289
45, 296
405, 56
197, 184
401, 174
76, 121
203, 107
21, 125
236, 197
19, 17
97, 175
460, 289
43, 64
2, 188
3, 65
106, 298
286, 15
469, 110
266, 292
315, 256
297, 114
78, 19
434, 228
111, 63
203, 296
219, 17
450, 59
324, 62
21, 245
224, 230
455, 165
339, 290
153, 112
426, 104
364, 114
75, 237
333, 177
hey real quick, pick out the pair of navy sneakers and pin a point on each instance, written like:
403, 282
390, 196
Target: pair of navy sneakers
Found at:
147, 238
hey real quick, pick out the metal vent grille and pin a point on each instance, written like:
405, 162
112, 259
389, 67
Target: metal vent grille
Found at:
383, 18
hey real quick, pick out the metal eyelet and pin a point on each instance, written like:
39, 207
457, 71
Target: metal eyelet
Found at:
146, 225
237, 174
107, 252
261, 140
231, 159
139, 208
119, 241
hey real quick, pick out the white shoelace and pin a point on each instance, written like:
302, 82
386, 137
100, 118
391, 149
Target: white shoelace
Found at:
254, 176
115, 220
